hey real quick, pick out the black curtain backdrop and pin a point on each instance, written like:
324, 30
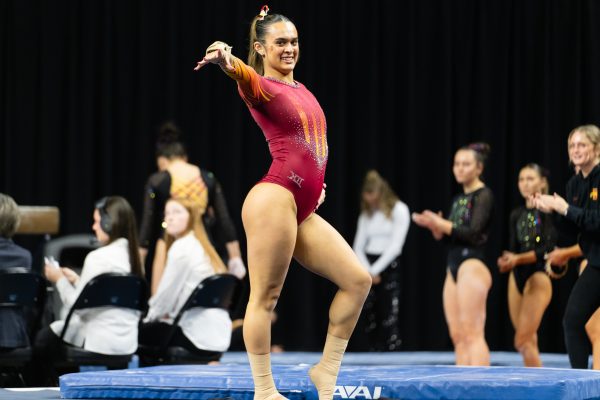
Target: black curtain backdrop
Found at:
85, 84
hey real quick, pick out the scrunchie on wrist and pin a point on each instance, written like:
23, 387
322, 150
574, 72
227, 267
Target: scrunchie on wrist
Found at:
224, 47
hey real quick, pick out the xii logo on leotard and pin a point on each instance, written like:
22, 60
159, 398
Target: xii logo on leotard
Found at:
297, 179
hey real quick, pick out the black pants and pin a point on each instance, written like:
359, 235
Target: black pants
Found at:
153, 334
381, 311
583, 302
46, 351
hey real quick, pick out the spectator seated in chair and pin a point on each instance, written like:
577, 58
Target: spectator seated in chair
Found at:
13, 324
191, 258
103, 330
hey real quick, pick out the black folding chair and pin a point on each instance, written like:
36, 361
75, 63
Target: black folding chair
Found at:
106, 290
70, 251
24, 292
216, 291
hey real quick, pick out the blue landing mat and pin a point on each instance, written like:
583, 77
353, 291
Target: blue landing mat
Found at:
498, 358
365, 382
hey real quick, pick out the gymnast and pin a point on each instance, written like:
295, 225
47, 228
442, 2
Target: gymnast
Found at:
532, 235
468, 279
279, 211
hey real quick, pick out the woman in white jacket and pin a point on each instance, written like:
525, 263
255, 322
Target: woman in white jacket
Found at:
382, 227
190, 259
105, 330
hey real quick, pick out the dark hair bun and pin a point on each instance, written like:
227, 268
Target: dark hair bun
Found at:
543, 172
168, 133
481, 148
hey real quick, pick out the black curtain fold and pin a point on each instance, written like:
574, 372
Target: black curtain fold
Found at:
84, 85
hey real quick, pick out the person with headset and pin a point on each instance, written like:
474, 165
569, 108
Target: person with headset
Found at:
113, 331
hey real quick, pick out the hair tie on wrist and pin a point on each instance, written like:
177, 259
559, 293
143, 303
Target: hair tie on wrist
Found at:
263, 12
556, 274
218, 45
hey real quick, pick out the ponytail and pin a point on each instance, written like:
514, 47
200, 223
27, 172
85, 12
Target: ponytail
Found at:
254, 58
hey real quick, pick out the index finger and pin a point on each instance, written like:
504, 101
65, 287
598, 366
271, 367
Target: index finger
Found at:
200, 64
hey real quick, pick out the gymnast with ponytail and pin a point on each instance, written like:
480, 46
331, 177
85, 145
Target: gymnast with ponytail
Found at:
532, 235
279, 211
468, 279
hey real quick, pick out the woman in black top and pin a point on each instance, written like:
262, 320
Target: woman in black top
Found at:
468, 279
581, 209
174, 169
14, 331
532, 235
557, 262
592, 328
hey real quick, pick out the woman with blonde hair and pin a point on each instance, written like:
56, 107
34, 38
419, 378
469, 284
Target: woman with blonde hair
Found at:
580, 210
532, 235
190, 259
380, 235
592, 328
468, 279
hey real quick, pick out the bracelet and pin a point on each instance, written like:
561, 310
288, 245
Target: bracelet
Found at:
562, 271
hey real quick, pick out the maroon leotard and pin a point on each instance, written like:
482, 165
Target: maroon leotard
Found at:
294, 125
